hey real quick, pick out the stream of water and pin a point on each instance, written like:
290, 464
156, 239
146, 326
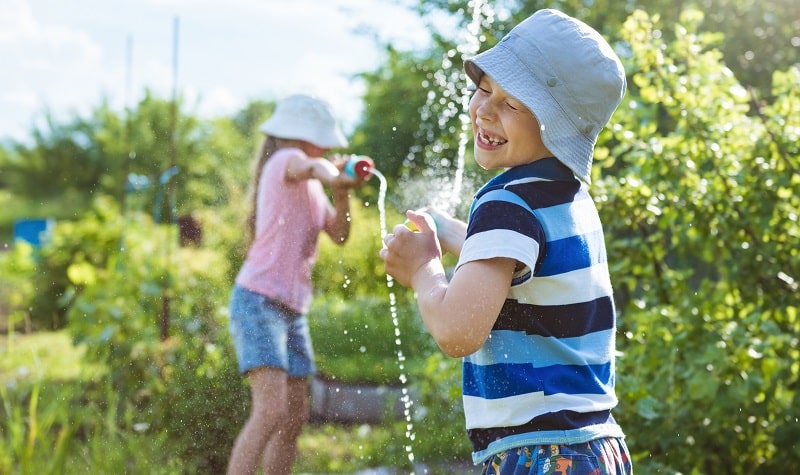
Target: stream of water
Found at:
406, 397
482, 14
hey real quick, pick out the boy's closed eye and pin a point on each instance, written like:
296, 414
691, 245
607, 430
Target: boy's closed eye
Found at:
511, 104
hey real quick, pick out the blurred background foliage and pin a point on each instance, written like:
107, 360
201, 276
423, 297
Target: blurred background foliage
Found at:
696, 179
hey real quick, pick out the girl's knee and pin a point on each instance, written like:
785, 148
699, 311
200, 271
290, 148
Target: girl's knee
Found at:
269, 414
295, 423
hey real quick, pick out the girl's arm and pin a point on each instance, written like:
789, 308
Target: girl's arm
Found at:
337, 225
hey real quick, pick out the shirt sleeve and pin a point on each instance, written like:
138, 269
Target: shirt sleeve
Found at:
502, 225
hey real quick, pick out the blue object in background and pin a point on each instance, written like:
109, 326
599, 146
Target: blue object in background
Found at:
33, 231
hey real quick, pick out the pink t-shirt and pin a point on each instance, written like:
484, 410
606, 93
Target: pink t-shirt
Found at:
290, 215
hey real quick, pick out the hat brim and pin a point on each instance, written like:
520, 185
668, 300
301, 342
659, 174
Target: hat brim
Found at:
307, 118
330, 138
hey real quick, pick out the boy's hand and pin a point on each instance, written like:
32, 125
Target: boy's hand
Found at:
420, 221
450, 232
406, 251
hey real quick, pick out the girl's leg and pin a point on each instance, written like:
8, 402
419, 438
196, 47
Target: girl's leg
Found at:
269, 391
282, 447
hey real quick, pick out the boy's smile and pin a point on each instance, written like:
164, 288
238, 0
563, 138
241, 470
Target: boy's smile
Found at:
486, 140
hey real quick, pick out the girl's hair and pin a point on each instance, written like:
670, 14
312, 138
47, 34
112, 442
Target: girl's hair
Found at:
267, 149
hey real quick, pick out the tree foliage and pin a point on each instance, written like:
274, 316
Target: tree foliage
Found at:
394, 97
130, 156
702, 230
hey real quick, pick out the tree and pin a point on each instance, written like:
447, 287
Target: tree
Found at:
63, 160
132, 155
395, 94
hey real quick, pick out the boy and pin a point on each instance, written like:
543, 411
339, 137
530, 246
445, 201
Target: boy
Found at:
529, 306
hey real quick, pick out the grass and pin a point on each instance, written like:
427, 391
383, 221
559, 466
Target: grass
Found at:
42, 374
41, 356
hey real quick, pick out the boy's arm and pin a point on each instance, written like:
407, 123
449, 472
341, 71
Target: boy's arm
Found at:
451, 231
458, 314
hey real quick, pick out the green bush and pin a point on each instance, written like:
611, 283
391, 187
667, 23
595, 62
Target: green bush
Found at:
17, 267
352, 318
203, 408
365, 331
89, 244
154, 313
702, 235
356, 340
355, 268
440, 426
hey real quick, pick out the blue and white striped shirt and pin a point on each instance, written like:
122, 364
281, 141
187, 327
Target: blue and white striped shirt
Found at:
546, 373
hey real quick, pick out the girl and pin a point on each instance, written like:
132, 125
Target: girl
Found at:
273, 290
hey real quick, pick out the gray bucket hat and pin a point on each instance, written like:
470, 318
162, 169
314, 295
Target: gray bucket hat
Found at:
304, 117
566, 74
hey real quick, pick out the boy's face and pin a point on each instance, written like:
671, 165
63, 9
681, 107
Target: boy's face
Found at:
506, 133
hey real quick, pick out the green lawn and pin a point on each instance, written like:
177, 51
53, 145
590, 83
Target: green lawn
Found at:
48, 361
41, 356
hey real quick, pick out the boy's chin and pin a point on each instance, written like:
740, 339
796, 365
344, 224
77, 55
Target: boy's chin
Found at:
486, 163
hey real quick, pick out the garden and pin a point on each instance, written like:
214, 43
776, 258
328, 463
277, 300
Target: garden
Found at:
115, 355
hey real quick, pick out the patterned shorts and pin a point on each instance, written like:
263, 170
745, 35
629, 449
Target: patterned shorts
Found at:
597, 457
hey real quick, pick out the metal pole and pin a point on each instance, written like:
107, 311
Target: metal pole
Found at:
128, 125
169, 189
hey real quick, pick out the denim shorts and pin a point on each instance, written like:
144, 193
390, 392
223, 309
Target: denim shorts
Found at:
266, 333
607, 456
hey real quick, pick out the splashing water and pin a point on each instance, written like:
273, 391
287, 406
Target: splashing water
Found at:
406, 398
482, 14
448, 97
468, 49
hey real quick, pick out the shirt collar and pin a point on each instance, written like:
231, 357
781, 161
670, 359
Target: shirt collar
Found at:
549, 168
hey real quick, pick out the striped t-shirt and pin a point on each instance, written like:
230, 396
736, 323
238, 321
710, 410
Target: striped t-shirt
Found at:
546, 373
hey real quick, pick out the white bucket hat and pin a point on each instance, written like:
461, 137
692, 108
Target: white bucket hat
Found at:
306, 118
566, 74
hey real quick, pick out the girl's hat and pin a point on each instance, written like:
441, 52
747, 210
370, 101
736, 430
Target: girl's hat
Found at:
303, 117
566, 74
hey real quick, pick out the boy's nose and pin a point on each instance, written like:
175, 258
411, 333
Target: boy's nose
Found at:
485, 110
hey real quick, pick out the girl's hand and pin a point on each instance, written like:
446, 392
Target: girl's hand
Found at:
338, 160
